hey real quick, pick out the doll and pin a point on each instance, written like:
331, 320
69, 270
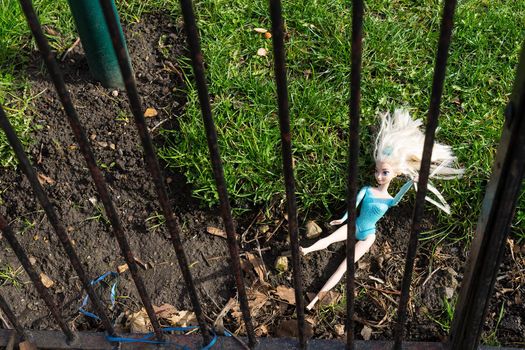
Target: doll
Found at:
398, 151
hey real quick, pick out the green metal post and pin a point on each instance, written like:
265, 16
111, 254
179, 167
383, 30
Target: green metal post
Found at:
96, 41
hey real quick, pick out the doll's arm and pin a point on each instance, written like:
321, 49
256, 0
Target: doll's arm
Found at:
359, 198
402, 191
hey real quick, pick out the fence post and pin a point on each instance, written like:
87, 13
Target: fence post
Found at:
96, 41
494, 222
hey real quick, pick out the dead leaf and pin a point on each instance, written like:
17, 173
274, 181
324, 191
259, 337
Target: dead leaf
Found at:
260, 30
46, 281
216, 231
26, 345
339, 329
281, 263
366, 333
151, 112
258, 266
183, 318
122, 268
261, 331
43, 179
165, 310
256, 300
329, 298
312, 229
139, 322
262, 52
219, 321
285, 293
51, 31
289, 329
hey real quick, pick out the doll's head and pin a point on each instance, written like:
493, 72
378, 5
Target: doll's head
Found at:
399, 144
384, 173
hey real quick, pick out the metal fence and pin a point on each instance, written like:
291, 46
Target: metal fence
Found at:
486, 251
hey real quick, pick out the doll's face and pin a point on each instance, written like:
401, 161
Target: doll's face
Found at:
384, 172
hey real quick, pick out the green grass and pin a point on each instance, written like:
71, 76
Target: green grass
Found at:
398, 57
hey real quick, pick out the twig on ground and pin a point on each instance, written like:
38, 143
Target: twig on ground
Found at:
68, 51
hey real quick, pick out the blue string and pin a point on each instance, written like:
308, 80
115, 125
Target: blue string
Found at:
112, 294
147, 337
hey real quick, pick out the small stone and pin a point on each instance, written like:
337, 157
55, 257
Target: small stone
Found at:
122, 268
262, 52
150, 112
449, 292
103, 144
114, 93
32, 260
312, 229
281, 264
93, 136
339, 329
46, 281
366, 333
112, 146
267, 35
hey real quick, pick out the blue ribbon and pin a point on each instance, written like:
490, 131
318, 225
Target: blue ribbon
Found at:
147, 337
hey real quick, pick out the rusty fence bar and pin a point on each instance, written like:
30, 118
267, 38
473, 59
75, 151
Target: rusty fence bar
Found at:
432, 122
286, 144
353, 155
85, 149
192, 35
153, 164
33, 276
28, 170
493, 227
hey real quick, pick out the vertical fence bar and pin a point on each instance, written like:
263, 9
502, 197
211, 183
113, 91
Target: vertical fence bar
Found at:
192, 34
353, 155
152, 162
498, 208
286, 144
12, 318
85, 149
432, 122
33, 276
28, 170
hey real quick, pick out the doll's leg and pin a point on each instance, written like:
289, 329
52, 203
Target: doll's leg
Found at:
361, 247
337, 236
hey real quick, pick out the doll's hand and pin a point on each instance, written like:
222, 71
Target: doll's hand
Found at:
336, 222
416, 178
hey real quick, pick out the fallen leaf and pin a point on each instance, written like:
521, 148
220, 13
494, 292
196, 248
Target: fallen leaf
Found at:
289, 329
261, 331
260, 30
46, 281
183, 318
219, 321
165, 310
45, 179
256, 300
216, 231
329, 298
26, 345
139, 322
312, 229
262, 52
267, 35
281, 263
339, 329
366, 333
51, 31
150, 112
258, 266
286, 294
122, 268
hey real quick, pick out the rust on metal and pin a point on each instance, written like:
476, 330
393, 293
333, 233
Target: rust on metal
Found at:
494, 222
96, 174
152, 162
286, 149
353, 155
432, 122
192, 35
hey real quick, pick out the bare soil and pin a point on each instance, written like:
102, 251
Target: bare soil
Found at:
154, 44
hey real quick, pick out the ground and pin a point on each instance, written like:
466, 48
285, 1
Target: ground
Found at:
154, 42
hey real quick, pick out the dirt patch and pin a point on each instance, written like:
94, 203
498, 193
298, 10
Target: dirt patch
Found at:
155, 45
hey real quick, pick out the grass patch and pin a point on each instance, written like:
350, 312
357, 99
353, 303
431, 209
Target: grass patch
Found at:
398, 58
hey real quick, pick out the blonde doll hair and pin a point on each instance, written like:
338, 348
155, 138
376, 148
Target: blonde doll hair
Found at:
400, 143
